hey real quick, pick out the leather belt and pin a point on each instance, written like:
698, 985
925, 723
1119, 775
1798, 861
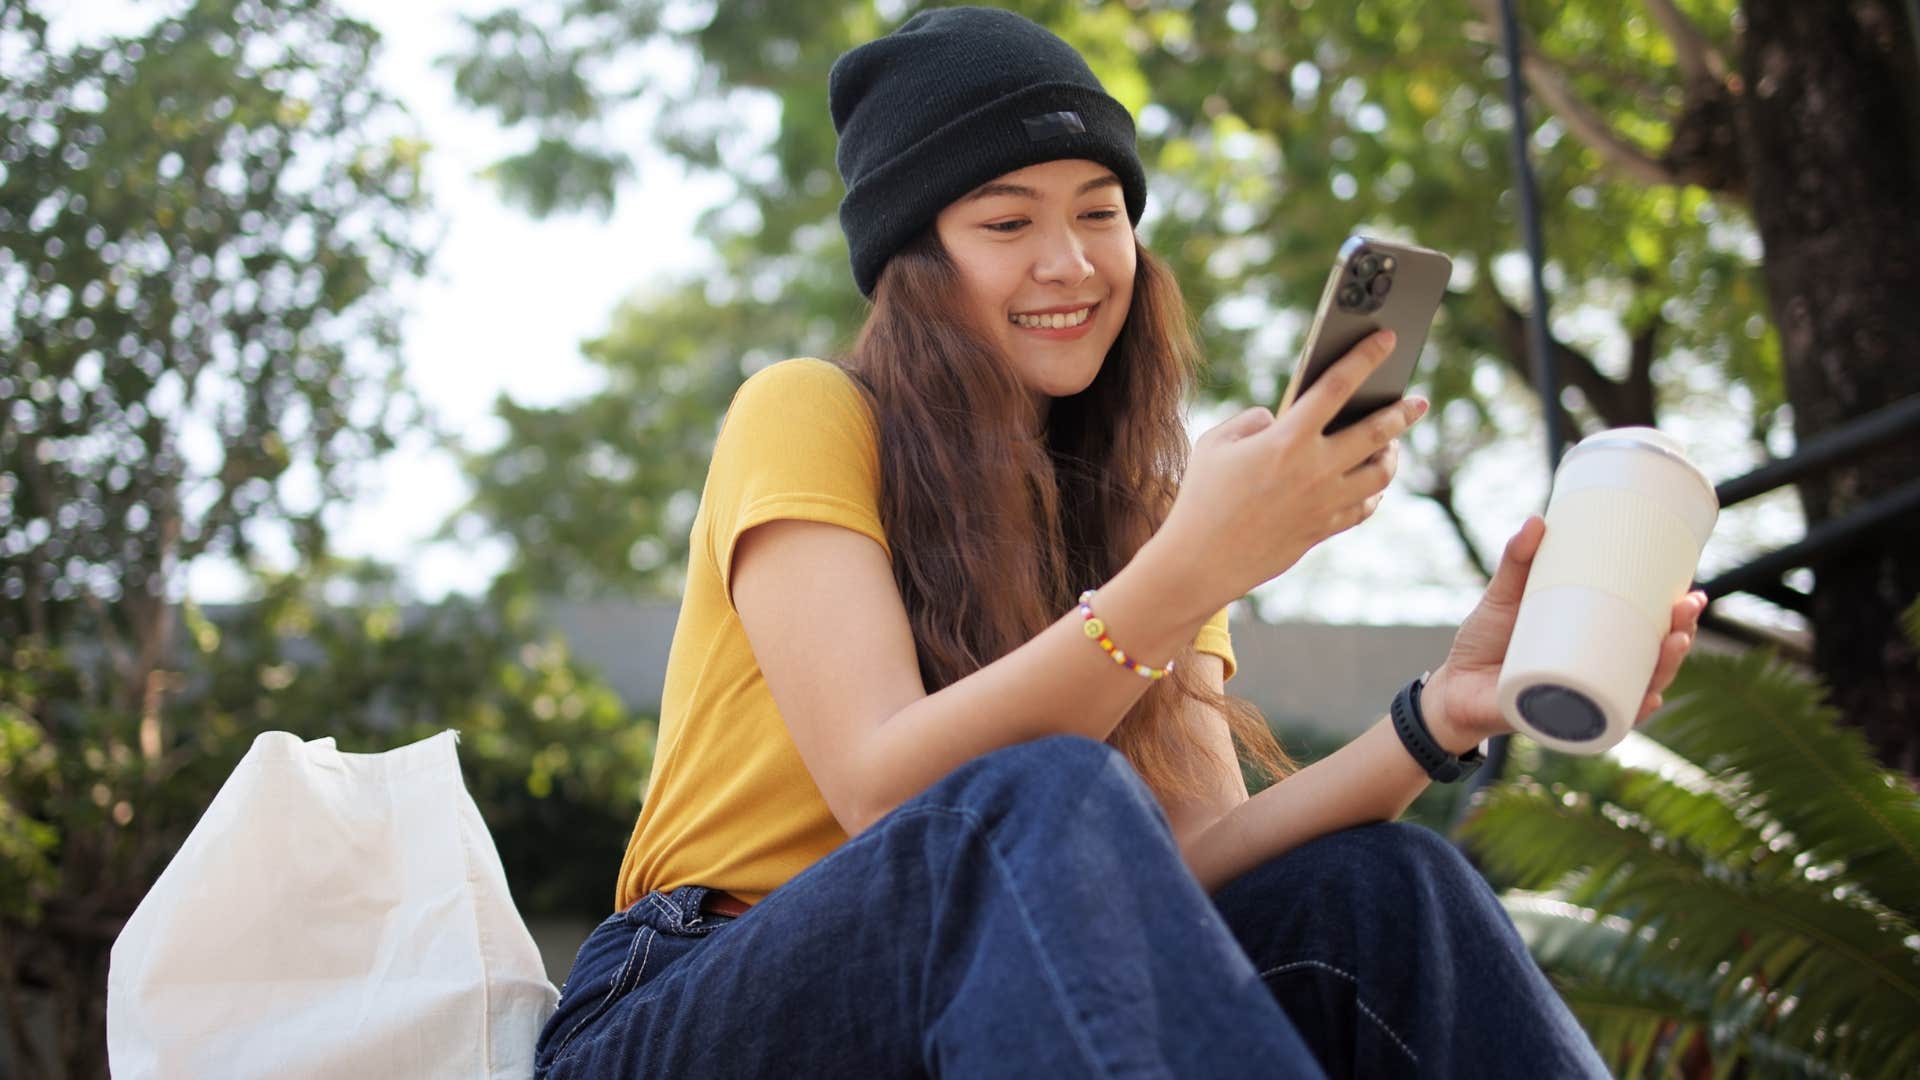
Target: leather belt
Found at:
723, 903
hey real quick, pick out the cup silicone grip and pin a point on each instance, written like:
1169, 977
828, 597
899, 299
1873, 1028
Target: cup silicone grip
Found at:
1625, 526
1622, 543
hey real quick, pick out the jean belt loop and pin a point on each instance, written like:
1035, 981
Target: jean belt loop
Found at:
686, 905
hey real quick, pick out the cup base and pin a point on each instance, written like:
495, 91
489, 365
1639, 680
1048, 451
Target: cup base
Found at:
1562, 712
1579, 642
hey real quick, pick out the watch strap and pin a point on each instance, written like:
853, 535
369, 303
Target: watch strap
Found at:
1411, 725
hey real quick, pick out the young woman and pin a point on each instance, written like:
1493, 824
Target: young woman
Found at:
920, 805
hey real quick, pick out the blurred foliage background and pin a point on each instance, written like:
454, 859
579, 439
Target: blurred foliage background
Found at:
204, 228
1730, 192
1271, 132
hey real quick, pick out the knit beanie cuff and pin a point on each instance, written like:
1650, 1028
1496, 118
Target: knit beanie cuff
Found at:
892, 204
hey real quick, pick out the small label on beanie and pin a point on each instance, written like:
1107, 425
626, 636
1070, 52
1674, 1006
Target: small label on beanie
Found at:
1053, 125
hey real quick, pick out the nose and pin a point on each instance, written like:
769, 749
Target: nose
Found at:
1062, 259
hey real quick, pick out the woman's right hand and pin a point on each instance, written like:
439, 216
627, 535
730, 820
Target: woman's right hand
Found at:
1261, 491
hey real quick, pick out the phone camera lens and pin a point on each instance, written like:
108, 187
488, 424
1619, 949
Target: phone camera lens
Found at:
1352, 296
1367, 265
1380, 286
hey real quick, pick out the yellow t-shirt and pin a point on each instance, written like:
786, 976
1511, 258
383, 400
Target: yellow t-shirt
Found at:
730, 804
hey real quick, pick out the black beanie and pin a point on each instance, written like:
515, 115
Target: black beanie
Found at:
952, 99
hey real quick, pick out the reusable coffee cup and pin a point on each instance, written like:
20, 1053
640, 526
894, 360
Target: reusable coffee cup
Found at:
1625, 525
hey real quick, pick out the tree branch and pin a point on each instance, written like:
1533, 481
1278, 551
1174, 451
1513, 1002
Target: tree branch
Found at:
26, 1048
1618, 152
1637, 391
39, 625
1699, 60
1574, 367
1442, 496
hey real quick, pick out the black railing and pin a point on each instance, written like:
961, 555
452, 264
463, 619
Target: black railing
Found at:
1825, 450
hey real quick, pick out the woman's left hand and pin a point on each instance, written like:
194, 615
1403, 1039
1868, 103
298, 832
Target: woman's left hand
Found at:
1459, 700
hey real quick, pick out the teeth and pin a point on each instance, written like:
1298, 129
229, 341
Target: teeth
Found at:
1052, 322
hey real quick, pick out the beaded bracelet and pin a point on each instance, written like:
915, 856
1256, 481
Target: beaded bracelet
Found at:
1096, 630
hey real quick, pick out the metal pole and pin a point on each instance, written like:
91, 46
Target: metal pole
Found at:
1913, 23
1545, 378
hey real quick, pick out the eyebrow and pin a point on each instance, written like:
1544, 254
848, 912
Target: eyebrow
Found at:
995, 187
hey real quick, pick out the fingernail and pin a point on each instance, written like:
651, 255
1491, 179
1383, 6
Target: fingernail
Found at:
1420, 407
1388, 338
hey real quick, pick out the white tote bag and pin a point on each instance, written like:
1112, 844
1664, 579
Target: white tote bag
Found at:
331, 916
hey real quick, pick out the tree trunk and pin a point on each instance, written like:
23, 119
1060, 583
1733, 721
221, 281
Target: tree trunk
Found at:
1830, 128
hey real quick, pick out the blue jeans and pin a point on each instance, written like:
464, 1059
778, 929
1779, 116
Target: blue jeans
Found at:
1029, 915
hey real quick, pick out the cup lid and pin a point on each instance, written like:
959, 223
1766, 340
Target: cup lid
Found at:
1644, 438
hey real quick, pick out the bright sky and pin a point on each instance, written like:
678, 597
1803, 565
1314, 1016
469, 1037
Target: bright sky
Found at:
505, 307
510, 300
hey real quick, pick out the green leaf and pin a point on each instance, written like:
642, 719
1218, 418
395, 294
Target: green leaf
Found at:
1754, 721
1738, 895
556, 175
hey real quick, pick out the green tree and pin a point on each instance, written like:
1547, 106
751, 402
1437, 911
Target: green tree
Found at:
201, 226
1745, 899
1260, 128
610, 484
1711, 171
552, 757
194, 223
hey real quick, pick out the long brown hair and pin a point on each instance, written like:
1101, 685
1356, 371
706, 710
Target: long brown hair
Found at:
995, 531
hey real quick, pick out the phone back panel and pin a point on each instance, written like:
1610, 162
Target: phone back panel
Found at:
1419, 279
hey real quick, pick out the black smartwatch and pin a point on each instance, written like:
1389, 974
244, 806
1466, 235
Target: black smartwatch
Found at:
1411, 725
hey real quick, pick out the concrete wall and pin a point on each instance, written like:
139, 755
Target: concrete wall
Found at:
1331, 679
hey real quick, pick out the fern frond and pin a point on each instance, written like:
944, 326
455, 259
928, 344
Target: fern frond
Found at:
1637, 1019
1765, 732
1823, 964
1573, 943
1537, 837
1697, 817
1636, 1036
1640, 1011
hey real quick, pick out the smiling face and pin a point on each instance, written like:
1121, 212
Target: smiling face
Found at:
1047, 257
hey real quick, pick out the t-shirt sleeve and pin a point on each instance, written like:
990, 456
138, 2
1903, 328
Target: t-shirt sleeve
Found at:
797, 443
1214, 638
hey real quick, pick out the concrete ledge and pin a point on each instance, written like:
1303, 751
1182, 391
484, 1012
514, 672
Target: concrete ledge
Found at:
1331, 679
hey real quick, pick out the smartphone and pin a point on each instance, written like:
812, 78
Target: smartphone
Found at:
1374, 285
